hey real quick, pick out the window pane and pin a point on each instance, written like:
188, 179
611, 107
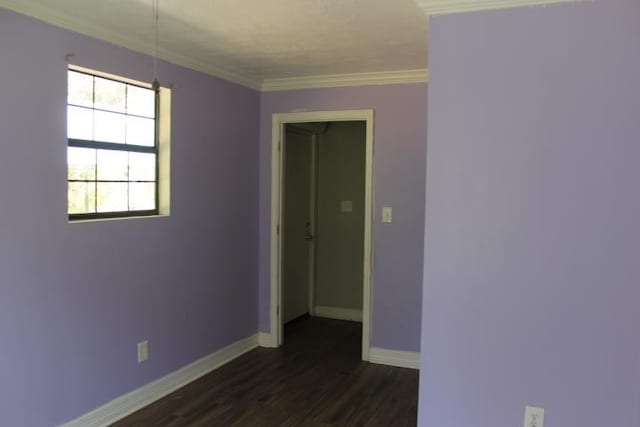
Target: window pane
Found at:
110, 95
114, 180
82, 197
112, 197
141, 131
81, 163
79, 123
112, 165
142, 196
142, 167
141, 102
110, 127
80, 89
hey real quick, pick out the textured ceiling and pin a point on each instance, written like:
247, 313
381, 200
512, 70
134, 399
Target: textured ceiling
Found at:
254, 40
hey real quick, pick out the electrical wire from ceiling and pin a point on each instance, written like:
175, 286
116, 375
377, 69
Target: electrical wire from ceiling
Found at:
155, 85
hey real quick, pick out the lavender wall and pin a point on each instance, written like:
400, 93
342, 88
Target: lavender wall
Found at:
400, 134
531, 284
75, 298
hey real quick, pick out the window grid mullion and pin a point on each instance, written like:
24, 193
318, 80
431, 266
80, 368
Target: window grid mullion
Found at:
95, 184
82, 143
112, 180
103, 110
126, 138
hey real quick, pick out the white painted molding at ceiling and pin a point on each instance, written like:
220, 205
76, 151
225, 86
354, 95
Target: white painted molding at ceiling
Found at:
47, 12
343, 80
445, 7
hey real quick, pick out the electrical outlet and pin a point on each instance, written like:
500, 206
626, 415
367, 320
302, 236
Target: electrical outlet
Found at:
143, 351
533, 417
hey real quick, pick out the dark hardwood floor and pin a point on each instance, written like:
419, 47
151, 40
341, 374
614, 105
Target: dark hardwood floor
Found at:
315, 379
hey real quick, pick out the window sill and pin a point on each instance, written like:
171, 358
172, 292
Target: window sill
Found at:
121, 218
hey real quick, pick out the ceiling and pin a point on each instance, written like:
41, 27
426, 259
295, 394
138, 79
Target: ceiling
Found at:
253, 42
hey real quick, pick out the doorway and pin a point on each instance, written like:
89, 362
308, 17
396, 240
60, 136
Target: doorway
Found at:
322, 197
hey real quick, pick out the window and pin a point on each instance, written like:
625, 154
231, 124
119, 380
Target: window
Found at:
112, 153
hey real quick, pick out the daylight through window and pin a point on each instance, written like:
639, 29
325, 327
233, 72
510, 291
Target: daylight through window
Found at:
112, 152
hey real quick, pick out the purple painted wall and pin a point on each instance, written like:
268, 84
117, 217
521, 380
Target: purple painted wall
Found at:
399, 174
532, 271
76, 298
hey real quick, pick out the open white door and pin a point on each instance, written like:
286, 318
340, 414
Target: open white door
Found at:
298, 219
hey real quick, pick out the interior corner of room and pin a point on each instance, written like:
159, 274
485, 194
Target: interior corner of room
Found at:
418, 212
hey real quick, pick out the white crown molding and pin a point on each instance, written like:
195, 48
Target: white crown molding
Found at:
128, 403
47, 12
397, 358
444, 7
344, 80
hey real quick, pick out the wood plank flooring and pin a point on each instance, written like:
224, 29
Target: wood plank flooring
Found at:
315, 379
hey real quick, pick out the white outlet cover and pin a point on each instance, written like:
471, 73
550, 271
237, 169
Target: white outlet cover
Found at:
346, 206
143, 351
533, 416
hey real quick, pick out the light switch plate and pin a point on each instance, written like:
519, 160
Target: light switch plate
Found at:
143, 351
387, 215
346, 206
533, 417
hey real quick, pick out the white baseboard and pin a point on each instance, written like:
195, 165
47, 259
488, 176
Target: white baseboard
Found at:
339, 313
265, 339
127, 404
400, 359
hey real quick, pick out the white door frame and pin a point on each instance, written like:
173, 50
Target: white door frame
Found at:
277, 161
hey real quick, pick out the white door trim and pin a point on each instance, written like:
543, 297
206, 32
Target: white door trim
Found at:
278, 123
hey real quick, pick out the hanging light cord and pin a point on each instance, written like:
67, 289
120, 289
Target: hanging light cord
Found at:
156, 17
